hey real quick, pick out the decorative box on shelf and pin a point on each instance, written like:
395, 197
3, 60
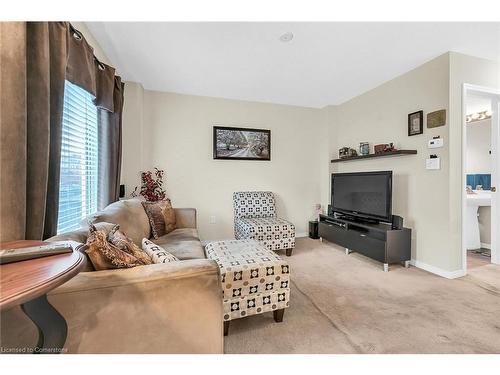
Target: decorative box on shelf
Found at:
347, 152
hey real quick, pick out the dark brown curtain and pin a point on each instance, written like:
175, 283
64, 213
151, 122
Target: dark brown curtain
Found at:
35, 60
110, 148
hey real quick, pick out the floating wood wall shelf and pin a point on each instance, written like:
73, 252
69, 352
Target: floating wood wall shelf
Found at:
380, 155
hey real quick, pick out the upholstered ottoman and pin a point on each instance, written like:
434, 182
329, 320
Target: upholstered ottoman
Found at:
254, 279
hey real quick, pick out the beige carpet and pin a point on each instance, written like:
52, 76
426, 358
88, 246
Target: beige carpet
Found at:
346, 304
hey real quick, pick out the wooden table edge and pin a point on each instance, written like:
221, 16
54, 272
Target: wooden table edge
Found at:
45, 287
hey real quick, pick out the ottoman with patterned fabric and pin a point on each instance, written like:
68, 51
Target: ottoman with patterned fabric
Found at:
254, 279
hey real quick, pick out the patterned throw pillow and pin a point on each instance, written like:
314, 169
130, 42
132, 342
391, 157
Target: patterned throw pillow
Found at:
157, 253
169, 216
105, 255
121, 241
160, 217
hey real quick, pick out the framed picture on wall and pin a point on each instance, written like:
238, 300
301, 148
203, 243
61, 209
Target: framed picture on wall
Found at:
416, 123
241, 143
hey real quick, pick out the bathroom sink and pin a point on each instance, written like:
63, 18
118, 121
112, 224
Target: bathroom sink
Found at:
478, 199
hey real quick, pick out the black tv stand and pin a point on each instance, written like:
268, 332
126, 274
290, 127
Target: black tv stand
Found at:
377, 241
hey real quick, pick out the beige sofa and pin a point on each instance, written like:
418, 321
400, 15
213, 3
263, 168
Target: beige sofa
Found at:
160, 308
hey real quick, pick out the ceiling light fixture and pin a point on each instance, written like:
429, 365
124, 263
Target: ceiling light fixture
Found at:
286, 37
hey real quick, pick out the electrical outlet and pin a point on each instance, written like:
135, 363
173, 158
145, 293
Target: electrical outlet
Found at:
212, 219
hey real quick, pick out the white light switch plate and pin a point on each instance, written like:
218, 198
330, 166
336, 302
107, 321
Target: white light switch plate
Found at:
436, 143
434, 163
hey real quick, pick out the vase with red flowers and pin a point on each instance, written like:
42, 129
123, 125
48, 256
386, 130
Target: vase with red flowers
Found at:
151, 186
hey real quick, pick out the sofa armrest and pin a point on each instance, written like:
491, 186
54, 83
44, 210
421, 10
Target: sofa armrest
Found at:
78, 235
185, 217
160, 308
122, 277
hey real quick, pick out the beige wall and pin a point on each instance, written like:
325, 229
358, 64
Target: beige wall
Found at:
380, 116
132, 136
175, 134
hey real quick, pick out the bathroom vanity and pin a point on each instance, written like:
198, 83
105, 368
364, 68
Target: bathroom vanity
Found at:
476, 199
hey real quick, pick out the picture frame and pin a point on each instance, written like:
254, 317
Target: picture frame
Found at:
415, 123
235, 143
436, 119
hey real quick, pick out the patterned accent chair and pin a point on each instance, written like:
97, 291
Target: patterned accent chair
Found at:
255, 218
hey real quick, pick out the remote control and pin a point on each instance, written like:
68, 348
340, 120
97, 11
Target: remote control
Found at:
26, 253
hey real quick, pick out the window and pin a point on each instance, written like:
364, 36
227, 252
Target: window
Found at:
79, 158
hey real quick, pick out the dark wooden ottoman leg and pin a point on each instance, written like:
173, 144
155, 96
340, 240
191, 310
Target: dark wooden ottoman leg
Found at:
278, 315
226, 327
289, 252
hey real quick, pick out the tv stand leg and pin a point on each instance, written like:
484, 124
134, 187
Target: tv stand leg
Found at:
407, 263
347, 251
386, 267
321, 239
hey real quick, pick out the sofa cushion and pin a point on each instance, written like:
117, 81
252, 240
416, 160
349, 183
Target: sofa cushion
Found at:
131, 217
184, 243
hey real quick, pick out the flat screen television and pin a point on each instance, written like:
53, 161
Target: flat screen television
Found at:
363, 195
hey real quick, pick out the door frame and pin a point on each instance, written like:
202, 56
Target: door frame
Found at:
468, 89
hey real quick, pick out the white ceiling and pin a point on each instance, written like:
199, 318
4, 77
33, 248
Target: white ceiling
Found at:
325, 63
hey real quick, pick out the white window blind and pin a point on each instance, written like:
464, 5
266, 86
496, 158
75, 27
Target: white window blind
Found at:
79, 158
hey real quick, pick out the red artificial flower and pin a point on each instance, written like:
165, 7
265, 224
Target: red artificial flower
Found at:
151, 187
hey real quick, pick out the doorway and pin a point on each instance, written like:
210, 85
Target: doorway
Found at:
481, 173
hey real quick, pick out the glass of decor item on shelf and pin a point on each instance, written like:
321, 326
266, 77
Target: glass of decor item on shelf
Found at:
364, 148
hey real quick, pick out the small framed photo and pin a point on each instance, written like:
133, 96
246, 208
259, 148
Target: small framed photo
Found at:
416, 123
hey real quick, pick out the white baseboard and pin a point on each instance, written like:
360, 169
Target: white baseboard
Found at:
437, 271
301, 234
486, 245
